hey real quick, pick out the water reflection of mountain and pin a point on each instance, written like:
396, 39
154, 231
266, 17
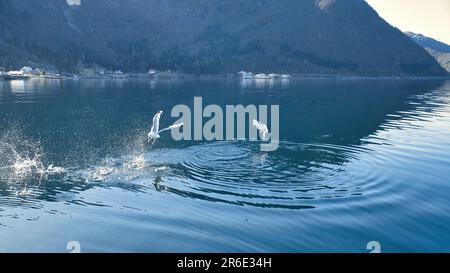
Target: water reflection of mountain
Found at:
345, 112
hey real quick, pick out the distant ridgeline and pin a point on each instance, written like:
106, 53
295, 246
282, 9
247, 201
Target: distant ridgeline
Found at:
209, 37
440, 51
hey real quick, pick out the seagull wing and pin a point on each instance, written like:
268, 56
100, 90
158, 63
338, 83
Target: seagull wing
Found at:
171, 127
265, 131
262, 128
155, 125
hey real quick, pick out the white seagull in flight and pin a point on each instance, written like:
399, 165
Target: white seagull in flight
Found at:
262, 128
154, 132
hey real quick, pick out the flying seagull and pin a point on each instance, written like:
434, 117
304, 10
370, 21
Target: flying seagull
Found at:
154, 132
262, 128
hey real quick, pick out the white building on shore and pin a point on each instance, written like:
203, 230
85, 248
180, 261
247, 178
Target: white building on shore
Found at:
73, 2
246, 75
24, 72
261, 76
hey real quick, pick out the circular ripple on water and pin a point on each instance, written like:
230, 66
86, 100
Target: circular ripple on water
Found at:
295, 176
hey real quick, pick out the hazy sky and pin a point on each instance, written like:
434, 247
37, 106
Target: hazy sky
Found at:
428, 17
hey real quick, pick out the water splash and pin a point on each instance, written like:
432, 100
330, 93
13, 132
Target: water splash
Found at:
138, 162
22, 158
24, 192
297, 176
101, 174
116, 169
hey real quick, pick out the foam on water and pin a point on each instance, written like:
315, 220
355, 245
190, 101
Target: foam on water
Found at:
138, 162
114, 169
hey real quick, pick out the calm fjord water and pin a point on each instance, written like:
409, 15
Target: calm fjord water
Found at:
359, 161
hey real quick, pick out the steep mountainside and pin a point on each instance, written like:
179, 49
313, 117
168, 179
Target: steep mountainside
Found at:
209, 36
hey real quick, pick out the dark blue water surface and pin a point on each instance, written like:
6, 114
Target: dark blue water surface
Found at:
359, 161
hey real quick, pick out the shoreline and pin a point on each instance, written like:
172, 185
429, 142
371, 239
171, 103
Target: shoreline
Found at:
176, 76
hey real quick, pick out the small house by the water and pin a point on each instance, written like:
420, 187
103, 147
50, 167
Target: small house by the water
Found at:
261, 76
246, 75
